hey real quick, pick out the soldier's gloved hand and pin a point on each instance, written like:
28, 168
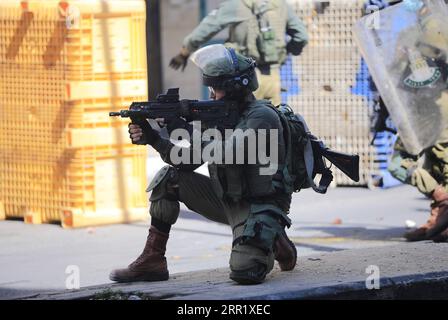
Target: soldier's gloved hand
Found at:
180, 60
179, 123
142, 133
295, 48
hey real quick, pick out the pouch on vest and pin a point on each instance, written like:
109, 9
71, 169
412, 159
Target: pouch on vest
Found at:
266, 39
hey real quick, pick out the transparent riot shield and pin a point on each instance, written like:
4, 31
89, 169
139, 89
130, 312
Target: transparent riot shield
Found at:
406, 49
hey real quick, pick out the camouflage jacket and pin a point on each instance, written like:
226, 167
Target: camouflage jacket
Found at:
239, 16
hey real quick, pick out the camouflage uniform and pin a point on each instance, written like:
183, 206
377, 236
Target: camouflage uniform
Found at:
234, 194
434, 171
431, 179
253, 202
243, 31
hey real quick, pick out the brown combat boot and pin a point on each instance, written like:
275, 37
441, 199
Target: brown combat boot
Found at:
285, 252
150, 265
437, 222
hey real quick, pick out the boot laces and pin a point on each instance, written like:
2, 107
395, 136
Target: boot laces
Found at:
146, 251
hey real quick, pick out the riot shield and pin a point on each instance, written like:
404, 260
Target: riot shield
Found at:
406, 49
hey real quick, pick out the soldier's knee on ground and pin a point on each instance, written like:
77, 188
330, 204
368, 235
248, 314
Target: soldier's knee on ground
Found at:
249, 264
164, 195
252, 255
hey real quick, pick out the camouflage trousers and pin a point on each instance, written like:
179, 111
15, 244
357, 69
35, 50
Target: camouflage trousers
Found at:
426, 177
197, 193
269, 85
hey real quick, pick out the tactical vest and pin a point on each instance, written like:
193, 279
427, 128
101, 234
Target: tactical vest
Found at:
238, 181
247, 39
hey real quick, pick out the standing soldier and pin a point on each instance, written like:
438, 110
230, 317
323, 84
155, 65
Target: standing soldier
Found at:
257, 29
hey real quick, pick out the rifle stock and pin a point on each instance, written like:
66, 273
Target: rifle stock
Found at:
347, 163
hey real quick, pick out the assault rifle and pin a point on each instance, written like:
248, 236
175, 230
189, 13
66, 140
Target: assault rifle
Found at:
212, 113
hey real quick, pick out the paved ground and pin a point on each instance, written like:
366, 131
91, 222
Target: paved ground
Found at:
35, 257
400, 271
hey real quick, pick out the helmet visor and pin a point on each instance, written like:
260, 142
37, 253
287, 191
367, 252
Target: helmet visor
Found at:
214, 60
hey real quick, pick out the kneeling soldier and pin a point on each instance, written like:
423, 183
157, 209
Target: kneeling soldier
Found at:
253, 204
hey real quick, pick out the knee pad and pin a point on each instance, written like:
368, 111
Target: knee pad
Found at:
164, 197
252, 255
260, 231
164, 185
165, 210
250, 265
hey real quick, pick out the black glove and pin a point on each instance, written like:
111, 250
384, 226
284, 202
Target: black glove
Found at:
150, 136
295, 48
179, 123
179, 61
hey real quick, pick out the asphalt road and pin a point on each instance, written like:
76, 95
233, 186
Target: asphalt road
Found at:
36, 257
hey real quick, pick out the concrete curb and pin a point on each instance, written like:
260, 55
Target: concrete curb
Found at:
407, 271
416, 286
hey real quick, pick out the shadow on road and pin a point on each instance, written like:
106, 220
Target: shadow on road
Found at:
360, 233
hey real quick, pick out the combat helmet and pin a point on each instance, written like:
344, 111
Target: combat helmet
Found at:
223, 68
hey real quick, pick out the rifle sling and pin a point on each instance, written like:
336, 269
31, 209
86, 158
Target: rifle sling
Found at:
326, 178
